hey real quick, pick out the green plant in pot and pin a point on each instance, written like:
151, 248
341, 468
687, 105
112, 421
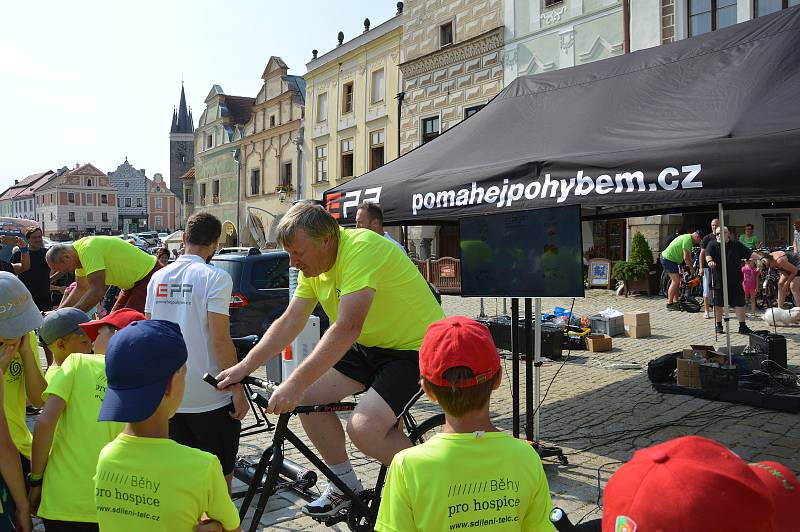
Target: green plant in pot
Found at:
636, 272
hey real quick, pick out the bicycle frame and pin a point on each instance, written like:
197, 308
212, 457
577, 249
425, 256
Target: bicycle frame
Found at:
272, 460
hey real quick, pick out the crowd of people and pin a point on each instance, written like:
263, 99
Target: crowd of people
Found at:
744, 263
130, 437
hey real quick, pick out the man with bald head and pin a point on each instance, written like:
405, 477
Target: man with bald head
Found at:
100, 261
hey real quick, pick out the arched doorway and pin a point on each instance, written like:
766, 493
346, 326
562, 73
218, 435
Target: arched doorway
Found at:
229, 238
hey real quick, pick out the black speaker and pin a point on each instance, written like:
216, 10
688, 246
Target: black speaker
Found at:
500, 327
772, 345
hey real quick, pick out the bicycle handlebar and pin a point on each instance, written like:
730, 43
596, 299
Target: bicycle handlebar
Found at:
262, 400
250, 380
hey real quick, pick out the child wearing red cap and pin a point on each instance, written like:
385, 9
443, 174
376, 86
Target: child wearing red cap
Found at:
472, 475
693, 483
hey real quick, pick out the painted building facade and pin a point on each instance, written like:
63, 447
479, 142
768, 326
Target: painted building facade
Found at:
164, 210
271, 154
131, 185
351, 108
452, 65
217, 156
77, 202
19, 200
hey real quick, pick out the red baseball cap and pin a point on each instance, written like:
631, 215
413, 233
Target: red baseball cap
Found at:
458, 341
693, 483
118, 319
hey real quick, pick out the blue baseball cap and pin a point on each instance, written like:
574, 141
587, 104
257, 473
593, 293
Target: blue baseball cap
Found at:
140, 361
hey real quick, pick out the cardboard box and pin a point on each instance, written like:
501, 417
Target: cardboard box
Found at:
688, 373
637, 331
598, 342
637, 318
697, 350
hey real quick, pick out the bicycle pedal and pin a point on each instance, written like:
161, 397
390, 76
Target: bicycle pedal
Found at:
334, 519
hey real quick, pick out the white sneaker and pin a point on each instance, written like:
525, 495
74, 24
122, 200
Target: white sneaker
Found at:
330, 502
707, 315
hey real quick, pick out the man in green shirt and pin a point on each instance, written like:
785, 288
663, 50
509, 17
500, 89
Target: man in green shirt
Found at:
749, 240
100, 261
679, 250
380, 307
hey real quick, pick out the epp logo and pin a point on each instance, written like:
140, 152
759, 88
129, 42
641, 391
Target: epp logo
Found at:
172, 289
338, 203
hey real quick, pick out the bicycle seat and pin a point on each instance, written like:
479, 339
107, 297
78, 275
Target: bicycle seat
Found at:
245, 343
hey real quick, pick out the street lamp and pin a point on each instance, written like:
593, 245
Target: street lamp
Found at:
236, 157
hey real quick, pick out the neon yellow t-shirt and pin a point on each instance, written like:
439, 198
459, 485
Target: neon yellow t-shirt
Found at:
489, 481
124, 263
675, 249
156, 484
68, 488
52, 369
15, 400
403, 305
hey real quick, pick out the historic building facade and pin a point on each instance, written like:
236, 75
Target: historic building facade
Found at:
351, 106
164, 212
19, 200
181, 145
131, 185
452, 65
217, 158
77, 202
271, 152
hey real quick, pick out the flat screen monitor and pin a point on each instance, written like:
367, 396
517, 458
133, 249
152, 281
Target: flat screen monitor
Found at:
535, 253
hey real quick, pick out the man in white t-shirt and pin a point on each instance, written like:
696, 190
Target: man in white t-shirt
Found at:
370, 216
196, 296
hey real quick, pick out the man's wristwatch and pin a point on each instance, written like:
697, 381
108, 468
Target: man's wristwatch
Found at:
35, 480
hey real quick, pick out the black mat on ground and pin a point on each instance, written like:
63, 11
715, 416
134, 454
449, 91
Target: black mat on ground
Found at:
761, 391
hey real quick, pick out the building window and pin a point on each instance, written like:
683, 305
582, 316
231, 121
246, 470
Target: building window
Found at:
709, 15
89, 182
89, 199
765, 7
376, 152
776, 230
430, 129
551, 3
469, 111
71, 217
209, 140
51, 198
322, 107
104, 199
202, 194
127, 202
255, 182
188, 197
286, 174
89, 216
271, 120
321, 169
215, 190
51, 216
104, 216
445, 34
158, 203
71, 197
377, 87
347, 98
159, 220
138, 202
347, 157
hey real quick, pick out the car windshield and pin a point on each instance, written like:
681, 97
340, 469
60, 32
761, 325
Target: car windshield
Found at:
233, 267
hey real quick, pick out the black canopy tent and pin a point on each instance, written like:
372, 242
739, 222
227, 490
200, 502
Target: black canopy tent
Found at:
715, 118
688, 125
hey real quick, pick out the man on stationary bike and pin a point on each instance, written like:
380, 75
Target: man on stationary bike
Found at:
380, 307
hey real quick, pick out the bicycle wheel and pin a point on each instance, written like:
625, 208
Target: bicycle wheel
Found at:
428, 428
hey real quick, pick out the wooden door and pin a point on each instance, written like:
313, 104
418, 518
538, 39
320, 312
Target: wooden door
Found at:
615, 239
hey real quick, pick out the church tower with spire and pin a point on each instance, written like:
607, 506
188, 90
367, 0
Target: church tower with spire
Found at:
181, 145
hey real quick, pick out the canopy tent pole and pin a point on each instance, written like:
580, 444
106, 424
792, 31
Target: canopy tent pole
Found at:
724, 260
537, 363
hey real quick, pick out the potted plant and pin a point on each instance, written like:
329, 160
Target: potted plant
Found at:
638, 273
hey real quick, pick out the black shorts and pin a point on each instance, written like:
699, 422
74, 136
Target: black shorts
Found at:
215, 432
735, 295
394, 374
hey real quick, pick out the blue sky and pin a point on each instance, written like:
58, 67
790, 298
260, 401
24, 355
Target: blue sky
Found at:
96, 81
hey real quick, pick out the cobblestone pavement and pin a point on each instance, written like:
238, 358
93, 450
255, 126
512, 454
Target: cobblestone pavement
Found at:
597, 412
